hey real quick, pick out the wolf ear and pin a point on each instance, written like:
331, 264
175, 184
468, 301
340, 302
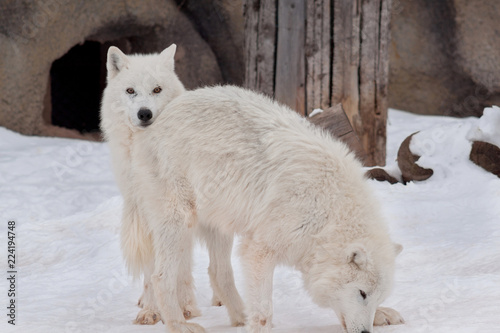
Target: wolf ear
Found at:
117, 60
356, 254
168, 56
398, 248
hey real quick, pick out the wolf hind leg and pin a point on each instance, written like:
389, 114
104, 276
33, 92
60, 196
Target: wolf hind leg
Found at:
149, 313
221, 274
185, 283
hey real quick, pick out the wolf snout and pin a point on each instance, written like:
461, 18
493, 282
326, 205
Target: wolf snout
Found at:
144, 115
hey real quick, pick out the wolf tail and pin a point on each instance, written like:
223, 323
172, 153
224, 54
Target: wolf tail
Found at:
136, 242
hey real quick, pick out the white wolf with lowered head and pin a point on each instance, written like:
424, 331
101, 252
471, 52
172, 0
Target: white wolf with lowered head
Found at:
228, 159
139, 87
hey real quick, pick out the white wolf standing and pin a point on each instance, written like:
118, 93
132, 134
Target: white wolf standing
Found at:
143, 85
229, 161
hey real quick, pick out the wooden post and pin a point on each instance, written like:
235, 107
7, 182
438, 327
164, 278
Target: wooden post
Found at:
325, 52
317, 53
345, 67
260, 44
290, 61
373, 77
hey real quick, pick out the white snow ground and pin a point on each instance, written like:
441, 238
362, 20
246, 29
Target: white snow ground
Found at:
71, 277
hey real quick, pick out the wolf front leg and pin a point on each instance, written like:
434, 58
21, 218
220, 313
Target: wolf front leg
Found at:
221, 274
387, 316
259, 263
169, 237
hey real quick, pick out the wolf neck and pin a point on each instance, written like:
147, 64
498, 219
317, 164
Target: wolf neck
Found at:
117, 131
331, 245
308, 256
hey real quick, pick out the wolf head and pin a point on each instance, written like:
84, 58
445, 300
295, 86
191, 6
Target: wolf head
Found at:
138, 87
352, 281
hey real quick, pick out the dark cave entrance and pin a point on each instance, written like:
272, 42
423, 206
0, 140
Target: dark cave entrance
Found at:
77, 80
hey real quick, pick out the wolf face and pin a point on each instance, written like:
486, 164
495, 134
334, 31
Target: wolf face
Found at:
353, 283
140, 86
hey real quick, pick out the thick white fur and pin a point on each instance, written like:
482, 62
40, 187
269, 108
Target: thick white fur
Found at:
232, 161
121, 125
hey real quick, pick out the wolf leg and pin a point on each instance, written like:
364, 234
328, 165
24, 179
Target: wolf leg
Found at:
185, 283
221, 274
149, 313
259, 264
171, 233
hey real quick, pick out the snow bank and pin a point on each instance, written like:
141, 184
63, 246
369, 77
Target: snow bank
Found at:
487, 128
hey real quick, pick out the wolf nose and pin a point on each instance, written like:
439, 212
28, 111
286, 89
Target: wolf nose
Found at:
365, 331
144, 114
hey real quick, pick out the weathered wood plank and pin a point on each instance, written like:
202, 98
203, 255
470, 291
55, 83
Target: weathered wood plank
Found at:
309, 54
318, 59
318, 25
335, 121
346, 58
290, 59
310, 51
266, 45
326, 59
382, 83
251, 14
369, 31
374, 77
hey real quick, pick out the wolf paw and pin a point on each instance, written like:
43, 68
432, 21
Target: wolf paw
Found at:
387, 316
258, 329
238, 319
177, 327
191, 312
216, 301
237, 323
259, 324
147, 317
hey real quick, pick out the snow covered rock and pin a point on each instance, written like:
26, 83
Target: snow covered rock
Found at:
487, 156
410, 170
485, 135
381, 175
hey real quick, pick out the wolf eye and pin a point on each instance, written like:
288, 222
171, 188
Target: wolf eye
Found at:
157, 90
363, 294
130, 91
